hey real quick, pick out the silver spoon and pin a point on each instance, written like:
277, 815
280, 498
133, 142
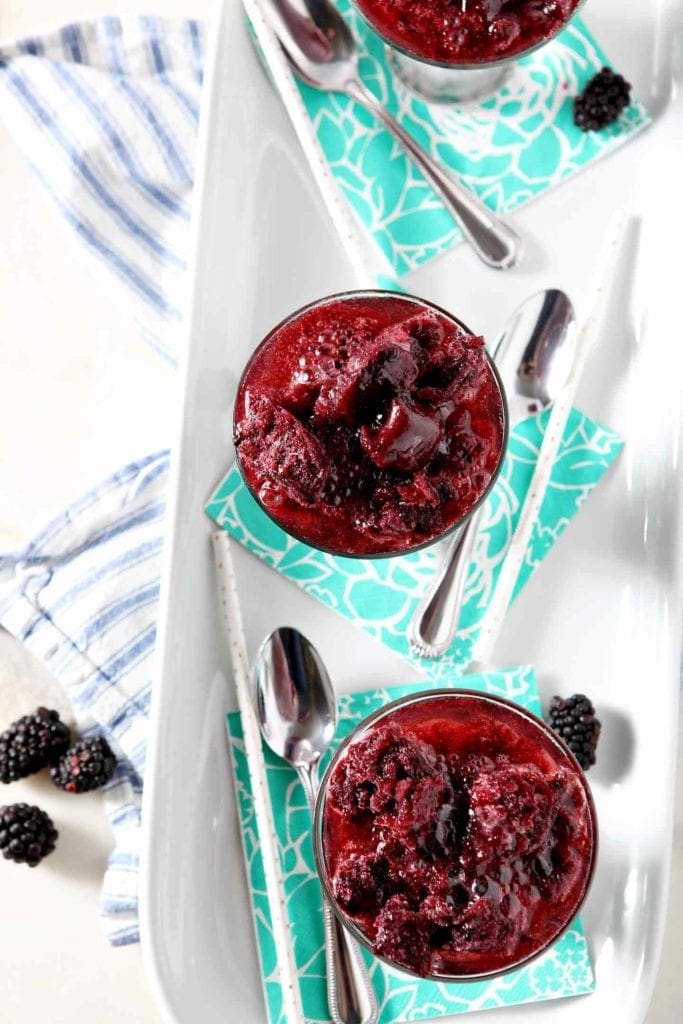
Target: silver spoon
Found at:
534, 355
322, 51
297, 713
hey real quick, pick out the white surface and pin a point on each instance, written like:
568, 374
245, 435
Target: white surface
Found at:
75, 381
613, 623
70, 411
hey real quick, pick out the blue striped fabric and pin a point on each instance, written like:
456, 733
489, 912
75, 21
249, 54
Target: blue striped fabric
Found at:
106, 113
83, 598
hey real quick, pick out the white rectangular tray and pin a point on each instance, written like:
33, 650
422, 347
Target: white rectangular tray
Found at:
602, 615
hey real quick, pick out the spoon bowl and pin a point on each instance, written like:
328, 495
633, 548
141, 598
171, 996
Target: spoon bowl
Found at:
535, 351
295, 701
318, 42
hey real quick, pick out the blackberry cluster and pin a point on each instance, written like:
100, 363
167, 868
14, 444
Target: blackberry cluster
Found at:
573, 719
601, 101
87, 765
35, 741
27, 834
31, 743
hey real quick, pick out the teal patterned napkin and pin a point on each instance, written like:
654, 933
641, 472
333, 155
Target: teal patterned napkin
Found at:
508, 148
381, 595
565, 970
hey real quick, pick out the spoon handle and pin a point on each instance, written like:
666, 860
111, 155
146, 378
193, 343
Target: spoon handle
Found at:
435, 622
492, 238
350, 996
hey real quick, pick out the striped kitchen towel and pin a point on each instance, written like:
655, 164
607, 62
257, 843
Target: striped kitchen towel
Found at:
83, 598
106, 113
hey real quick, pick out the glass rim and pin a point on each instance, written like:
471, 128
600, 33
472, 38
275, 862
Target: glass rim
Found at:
321, 800
477, 65
385, 293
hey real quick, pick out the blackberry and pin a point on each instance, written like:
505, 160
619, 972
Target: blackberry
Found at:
27, 834
85, 766
358, 881
601, 101
31, 743
573, 719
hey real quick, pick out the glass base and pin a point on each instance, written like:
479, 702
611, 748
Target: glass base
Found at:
447, 85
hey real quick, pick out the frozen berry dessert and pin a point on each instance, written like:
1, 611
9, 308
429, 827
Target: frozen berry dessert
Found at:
369, 424
457, 834
467, 31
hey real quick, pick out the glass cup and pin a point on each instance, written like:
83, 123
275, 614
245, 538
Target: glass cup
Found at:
533, 729
420, 305
452, 82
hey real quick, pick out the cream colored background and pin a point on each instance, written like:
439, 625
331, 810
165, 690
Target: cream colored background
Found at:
75, 381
